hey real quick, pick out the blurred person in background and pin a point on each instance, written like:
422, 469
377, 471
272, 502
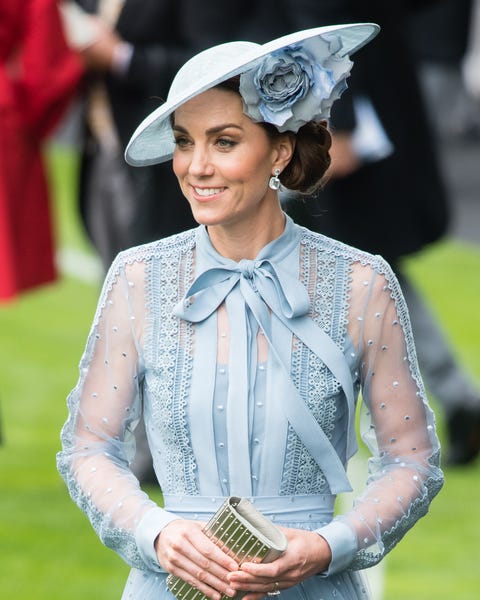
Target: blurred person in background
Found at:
441, 35
386, 193
39, 76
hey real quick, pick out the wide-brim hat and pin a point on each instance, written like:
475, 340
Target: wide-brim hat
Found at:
153, 140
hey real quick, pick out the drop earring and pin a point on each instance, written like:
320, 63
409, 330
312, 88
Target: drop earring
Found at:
274, 182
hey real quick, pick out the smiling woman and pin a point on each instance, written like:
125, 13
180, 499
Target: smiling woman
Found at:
243, 345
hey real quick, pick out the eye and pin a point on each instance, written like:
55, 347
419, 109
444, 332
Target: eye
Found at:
181, 141
225, 143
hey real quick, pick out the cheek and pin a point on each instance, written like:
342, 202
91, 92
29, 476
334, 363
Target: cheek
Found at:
179, 165
256, 173
245, 170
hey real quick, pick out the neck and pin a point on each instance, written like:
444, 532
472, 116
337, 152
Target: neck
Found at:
241, 241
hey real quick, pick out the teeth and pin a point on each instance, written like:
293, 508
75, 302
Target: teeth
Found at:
208, 191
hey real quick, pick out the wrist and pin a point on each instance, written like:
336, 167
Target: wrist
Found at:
325, 554
343, 545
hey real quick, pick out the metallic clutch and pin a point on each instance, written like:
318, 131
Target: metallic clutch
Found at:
243, 533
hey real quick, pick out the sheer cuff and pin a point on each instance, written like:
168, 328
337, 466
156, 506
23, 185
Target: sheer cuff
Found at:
343, 544
146, 533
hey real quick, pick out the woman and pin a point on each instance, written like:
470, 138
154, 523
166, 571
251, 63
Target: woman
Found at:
245, 343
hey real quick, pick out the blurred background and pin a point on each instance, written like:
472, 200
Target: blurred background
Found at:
47, 547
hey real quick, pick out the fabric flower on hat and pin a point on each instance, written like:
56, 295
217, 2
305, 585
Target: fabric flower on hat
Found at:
296, 84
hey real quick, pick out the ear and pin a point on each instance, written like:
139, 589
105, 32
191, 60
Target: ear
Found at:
283, 152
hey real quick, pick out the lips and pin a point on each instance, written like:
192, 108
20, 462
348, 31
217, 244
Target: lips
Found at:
207, 192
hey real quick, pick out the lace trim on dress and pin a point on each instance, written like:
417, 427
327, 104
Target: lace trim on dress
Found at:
326, 277
170, 342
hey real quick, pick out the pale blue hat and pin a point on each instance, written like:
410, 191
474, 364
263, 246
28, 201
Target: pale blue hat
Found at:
286, 82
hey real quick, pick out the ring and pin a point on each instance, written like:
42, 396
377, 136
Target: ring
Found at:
275, 591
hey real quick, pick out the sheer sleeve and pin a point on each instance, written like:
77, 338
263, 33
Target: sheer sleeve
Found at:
396, 424
104, 407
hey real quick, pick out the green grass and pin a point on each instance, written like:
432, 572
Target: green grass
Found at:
47, 548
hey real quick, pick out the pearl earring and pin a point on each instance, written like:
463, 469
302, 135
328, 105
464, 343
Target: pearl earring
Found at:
274, 182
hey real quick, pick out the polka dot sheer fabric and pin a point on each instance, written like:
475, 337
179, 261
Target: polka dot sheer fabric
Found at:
220, 414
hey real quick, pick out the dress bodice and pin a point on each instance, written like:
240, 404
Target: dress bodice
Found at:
261, 405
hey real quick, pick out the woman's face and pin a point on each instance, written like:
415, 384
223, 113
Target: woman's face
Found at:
223, 161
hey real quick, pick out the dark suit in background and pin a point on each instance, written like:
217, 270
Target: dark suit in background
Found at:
397, 205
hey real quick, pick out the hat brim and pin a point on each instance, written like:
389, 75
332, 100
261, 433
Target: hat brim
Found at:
153, 142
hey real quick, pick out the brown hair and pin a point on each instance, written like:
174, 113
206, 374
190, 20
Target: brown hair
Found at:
311, 159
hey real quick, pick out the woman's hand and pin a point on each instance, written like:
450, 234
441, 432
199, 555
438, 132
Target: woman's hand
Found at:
184, 550
307, 554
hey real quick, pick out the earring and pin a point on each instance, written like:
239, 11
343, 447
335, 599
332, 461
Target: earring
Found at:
274, 182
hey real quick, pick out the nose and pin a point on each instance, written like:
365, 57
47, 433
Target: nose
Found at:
200, 164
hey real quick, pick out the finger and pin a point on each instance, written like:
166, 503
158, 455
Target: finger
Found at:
265, 571
207, 583
184, 542
264, 587
215, 553
240, 580
197, 560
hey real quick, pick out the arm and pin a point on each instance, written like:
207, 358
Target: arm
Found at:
104, 407
137, 65
397, 426
142, 51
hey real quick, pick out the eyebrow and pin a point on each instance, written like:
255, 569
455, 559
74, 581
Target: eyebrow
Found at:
212, 130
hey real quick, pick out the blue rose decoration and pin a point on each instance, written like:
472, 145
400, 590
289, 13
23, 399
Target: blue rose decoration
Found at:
295, 85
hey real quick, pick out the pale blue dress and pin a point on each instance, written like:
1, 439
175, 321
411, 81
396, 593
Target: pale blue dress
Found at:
247, 375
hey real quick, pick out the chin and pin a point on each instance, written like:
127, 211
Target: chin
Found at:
207, 222
206, 216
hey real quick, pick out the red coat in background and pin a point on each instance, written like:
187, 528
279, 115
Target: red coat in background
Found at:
39, 75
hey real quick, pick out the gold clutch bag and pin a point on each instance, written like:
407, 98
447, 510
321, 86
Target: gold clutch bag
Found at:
243, 533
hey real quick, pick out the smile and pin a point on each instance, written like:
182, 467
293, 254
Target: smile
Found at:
206, 192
